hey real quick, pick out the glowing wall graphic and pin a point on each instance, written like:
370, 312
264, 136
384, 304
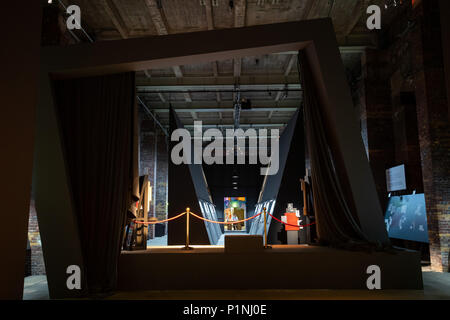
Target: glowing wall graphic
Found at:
406, 218
234, 210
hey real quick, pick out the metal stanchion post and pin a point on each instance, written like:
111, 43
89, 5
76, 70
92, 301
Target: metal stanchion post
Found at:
266, 246
187, 247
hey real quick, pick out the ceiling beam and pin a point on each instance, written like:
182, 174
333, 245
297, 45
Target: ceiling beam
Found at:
223, 110
210, 23
212, 104
157, 17
177, 71
187, 96
330, 11
240, 8
147, 73
208, 88
287, 71
257, 125
355, 17
209, 15
161, 28
342, 49
230, 125
115, 17
290, 64
237, 66
179, 75
215, 68
162, 97
222, 80
278, 96
307, 9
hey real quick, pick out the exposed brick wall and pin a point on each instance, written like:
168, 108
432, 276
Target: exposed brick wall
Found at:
151, 134
411, 63
434, 131
28, 261
37, 259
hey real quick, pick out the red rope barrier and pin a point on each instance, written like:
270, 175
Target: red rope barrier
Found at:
221, 222
225, 222
292, 225
160, 221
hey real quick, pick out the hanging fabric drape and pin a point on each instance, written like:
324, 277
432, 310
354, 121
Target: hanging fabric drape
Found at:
98, 121
336, 223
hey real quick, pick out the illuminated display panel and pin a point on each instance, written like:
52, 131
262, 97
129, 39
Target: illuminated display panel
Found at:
235, 210
406, 218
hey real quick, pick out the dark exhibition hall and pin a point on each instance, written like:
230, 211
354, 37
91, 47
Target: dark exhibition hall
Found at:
225, 150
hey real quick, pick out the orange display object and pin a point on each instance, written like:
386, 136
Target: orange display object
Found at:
291, 218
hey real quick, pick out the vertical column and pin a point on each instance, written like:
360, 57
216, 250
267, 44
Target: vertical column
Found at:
434, 130
19, 74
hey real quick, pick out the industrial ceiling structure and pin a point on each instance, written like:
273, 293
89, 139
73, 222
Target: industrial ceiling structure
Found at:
212, 92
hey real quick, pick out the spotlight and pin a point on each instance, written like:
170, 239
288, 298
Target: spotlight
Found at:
235, 182
235, 188
235, 176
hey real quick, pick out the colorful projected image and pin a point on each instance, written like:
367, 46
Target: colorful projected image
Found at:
406, 218
234, 210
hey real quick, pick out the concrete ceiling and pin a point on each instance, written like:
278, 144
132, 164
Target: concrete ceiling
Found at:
207, 91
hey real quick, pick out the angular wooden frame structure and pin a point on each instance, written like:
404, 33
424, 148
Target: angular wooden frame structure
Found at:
60, 240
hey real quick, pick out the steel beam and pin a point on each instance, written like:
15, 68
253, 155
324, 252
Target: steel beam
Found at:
213, 104
214, 88
270, 79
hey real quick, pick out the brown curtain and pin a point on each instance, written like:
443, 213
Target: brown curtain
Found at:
337, 225
97, 120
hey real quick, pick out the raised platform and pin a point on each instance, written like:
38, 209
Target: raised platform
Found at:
282, 267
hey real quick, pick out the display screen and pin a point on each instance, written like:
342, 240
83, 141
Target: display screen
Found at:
395, 178
406, 218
